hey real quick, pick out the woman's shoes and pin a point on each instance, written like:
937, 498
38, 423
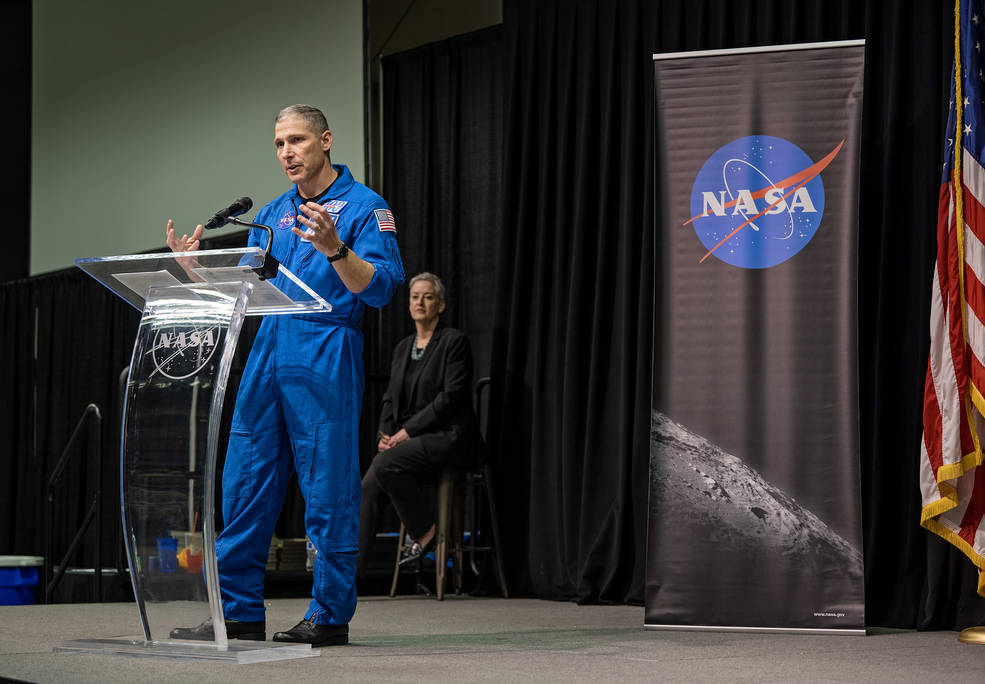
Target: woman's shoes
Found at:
416, 551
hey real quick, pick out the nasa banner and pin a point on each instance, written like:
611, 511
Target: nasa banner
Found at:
755, 516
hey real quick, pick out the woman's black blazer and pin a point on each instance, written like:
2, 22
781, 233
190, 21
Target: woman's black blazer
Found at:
440, 399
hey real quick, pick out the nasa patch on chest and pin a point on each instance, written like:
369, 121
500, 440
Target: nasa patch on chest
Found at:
286, 221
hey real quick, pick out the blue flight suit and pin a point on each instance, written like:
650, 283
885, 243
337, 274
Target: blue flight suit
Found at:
298, 406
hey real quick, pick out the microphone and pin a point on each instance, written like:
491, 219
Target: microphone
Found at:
240, 206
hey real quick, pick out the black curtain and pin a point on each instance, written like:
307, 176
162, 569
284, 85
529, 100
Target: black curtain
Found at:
913, 578
442, 135
573, 318
19, 487
15, 118
66, 340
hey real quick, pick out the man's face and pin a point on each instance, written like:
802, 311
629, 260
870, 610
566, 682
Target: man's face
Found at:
302, 153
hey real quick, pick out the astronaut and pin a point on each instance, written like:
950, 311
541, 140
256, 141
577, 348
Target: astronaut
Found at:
299, 401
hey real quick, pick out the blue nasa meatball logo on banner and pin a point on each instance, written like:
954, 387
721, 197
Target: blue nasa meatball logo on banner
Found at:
758, 201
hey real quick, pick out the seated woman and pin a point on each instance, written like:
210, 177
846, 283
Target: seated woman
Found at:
427, 422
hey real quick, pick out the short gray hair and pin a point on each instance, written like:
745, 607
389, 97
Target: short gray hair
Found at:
313, 117
439, 287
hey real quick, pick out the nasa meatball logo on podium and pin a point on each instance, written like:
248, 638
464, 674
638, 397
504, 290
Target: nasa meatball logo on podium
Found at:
757, 201
179, 352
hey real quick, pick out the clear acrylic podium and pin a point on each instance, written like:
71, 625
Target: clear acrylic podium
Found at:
193, 307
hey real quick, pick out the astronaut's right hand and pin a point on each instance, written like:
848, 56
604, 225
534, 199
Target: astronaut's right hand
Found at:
185, 243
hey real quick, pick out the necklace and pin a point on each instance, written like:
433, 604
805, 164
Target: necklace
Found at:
417, 351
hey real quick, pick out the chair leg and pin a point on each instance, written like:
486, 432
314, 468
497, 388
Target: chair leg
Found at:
396, 562
445, 491
458, 536
501, 576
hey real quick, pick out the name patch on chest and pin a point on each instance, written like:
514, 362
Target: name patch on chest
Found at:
335, 217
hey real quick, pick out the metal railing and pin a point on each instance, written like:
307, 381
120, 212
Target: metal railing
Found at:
93, 417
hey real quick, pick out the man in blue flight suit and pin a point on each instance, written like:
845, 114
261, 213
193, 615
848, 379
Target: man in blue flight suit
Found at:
299, 401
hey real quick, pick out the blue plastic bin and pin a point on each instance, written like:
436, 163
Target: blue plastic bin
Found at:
18, 579
167, 554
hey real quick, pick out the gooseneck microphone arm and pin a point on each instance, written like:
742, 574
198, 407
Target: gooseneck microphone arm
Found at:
270, 263
229, 214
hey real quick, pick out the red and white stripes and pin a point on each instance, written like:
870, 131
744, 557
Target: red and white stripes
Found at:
952, 477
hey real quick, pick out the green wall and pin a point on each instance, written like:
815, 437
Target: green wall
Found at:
145, 111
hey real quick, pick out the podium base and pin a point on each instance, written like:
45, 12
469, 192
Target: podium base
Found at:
972, 635
238, 652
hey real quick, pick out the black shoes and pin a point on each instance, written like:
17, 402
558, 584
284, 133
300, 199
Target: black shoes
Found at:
307, 632
417, 551
251, 631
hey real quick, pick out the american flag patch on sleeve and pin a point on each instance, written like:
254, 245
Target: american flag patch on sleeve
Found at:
384, 219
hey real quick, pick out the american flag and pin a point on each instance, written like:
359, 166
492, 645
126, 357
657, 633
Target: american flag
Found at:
384, 219
952, 474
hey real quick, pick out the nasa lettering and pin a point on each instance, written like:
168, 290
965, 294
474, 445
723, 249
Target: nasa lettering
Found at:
758, 201
180, 352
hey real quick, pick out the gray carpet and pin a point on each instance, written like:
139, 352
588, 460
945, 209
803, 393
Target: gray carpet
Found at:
416, 639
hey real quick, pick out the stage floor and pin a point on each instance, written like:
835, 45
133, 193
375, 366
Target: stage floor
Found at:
464, 639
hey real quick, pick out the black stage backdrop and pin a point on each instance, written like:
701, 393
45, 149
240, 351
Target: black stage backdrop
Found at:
442, 136
442, 126
15, 118
65, 341
570, 351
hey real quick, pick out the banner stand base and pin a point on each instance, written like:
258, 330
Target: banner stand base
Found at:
757, 630
972, 635
240, 653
